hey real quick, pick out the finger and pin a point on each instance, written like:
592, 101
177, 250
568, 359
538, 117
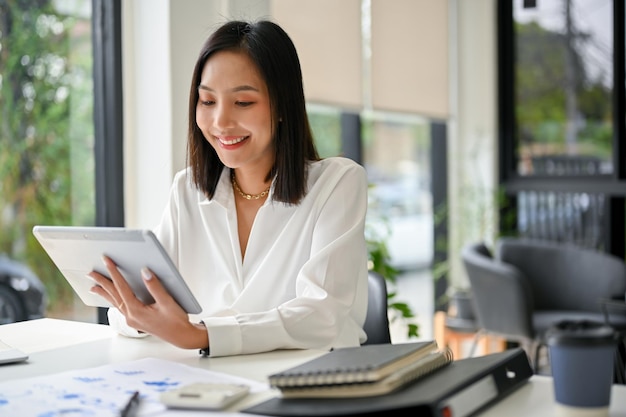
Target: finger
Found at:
102, 281
156, 288
123, 291
98, 290
104, 287
117, 279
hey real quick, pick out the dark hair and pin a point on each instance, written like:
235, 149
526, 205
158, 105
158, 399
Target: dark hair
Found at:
275, 56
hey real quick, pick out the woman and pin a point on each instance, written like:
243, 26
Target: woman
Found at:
269, 237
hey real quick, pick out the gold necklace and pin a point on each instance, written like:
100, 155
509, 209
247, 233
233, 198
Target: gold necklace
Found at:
245, 195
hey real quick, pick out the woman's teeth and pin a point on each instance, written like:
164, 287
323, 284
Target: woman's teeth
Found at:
233, 141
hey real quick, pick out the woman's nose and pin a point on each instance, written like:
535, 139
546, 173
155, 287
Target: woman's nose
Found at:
222, 117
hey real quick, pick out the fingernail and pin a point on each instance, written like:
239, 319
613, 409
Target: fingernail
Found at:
147, 275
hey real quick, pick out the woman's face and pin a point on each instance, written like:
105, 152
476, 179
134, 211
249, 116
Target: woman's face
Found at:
233, 111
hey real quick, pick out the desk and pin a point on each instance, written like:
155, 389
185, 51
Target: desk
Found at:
58, 345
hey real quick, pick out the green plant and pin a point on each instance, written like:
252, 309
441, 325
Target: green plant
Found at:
379, 262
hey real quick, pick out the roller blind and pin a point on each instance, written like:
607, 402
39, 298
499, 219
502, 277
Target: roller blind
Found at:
409, 65
327, 35
408, 70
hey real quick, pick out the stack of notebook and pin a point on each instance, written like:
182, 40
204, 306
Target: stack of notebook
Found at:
361, 371
461, 388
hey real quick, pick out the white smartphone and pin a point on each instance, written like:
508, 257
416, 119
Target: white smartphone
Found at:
204, 396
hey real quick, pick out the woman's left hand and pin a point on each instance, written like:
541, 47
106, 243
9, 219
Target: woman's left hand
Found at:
164, 318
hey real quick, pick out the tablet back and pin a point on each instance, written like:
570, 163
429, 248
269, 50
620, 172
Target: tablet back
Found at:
77, 250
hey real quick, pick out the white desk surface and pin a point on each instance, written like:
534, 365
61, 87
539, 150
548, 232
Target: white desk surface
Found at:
59, 345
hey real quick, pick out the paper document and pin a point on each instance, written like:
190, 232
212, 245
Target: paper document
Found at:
103, 391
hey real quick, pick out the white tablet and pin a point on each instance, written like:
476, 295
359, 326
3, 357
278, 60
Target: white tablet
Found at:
78, 250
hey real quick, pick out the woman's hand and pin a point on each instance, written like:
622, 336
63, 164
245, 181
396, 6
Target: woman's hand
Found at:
164, 318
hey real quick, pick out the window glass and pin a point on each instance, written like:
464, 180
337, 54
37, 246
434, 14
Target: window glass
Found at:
397, 159
46, 151
564, 87
326, 126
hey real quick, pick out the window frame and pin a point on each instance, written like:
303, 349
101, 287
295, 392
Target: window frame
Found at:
108, 116
613, 185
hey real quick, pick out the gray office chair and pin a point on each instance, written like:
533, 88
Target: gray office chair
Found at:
533, 284
377, 321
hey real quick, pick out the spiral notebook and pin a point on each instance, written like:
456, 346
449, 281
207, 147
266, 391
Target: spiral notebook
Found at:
463, 388
361, 371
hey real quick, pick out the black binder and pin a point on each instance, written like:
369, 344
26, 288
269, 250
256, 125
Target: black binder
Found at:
462, 388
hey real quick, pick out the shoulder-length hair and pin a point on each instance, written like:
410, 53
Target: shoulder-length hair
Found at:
276, 59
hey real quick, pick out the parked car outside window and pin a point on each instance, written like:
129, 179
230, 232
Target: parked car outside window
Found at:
22, 294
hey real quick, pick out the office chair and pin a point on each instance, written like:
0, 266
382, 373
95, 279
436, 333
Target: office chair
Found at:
377, 320
532, 285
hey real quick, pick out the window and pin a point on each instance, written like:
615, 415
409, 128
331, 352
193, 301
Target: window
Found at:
561, 92
396, 153
564, 87
326, 126
47, 147
397, 159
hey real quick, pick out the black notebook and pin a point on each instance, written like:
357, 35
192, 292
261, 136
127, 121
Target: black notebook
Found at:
361, 371
464, 387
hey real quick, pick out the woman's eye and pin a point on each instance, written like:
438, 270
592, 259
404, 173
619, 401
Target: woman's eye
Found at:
207, 102
245, 103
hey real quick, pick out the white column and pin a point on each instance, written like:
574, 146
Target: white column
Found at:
472, 151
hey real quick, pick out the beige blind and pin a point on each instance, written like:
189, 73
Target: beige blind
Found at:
408, 71
409, 67
327, 35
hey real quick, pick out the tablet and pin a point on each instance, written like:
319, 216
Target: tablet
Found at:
78, 250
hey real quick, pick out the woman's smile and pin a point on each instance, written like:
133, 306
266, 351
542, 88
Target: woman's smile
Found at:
228, 141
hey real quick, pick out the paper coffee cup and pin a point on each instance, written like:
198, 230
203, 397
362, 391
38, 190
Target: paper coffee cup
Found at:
582, 363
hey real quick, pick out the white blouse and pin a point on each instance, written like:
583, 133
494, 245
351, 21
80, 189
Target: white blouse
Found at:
303, 281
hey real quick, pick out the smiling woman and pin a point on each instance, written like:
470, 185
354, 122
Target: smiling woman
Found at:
268, 236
